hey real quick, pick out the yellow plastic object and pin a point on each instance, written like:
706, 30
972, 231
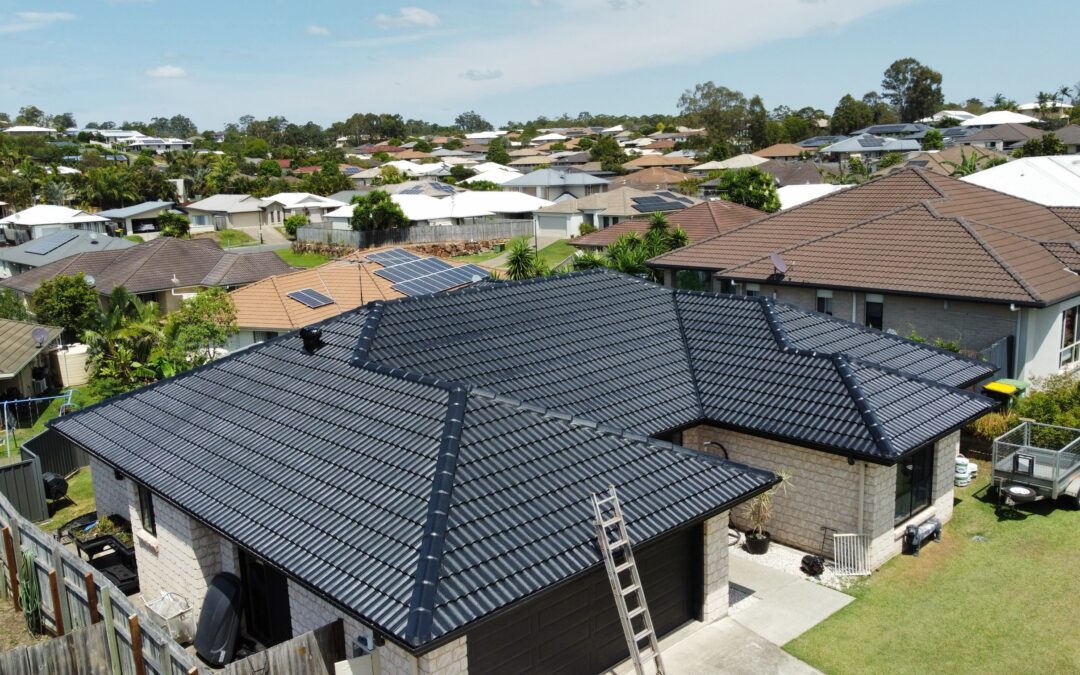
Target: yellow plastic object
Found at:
1000, 388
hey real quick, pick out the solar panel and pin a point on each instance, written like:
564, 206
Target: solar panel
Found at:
413, 269
871, 142
311, 297
661, 206
48, 244
647, 200
394, 256
414, 190
442, 281
666, 194
449, 189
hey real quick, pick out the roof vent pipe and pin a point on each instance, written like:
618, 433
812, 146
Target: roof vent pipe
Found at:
312, 338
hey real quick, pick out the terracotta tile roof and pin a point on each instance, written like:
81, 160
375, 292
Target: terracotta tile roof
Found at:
791, 172
351, 281
910, 232
780, 150
700, 222
646, 161
662, 144
649, 179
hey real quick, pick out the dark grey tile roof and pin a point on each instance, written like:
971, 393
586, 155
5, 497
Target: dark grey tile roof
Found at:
343, 476
431, 463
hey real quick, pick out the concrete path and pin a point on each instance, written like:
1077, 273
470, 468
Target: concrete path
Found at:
781, 606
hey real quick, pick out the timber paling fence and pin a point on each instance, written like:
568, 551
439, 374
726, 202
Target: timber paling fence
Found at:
492, 230
97, 629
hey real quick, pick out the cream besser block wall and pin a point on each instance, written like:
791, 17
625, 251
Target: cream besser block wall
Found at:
824, 490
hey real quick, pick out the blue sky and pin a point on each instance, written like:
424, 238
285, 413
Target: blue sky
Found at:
322, 60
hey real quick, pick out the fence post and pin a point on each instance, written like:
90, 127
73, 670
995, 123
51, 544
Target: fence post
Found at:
91, 598
65, 601
110, 631
58, 614
13, 573
136, 645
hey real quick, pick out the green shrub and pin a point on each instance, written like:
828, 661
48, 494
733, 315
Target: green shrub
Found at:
293, 222
586, 228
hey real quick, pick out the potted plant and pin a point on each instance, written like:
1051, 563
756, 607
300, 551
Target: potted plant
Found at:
108, 532
758, 511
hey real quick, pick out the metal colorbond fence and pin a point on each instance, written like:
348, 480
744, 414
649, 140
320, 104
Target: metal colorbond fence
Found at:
74, 596
420, 234
20, 483
56, 453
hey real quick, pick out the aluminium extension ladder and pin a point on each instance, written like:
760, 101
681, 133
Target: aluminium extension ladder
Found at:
619, 560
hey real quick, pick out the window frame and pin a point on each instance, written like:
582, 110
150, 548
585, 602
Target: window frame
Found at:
1069, 353
921, 465
825, 301
879, 300
147, 517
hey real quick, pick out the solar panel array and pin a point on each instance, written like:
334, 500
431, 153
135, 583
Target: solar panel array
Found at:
414, 275
311, 297
441, 281
652, 204
414, 190
50, 243
394, 256
871, 142
443, 187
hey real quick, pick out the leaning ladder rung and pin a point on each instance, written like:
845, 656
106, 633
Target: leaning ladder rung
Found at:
618, 543
632, 588
623, 567
635, 612
642, 635
608, 523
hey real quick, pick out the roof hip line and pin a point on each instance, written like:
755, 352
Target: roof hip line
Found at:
877, 431
422, 605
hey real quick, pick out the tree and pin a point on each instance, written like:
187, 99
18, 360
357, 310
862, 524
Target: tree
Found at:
454, 144
120, 341
376, 211
294, 221
202, 325
484, 186
472, 122
63, 121
268, 168
32, 115
933, 140
883, 112
758, 124
389, 175
850, 115
1047, 144
750, 187
12, 307
460, 172
496, 151
422, 146
913, 89
967, 165
326, 181
631, 252
721, 111
66, 301
175, 225
890, 159
522, 262
610, 154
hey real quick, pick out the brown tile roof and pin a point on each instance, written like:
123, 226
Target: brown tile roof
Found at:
934, 161
662, 144
649, 179
791, 172
1069, 135
781, 150
1010, 133
412, 154
351, 281
645, 161
909, 232
151, 267
700, 222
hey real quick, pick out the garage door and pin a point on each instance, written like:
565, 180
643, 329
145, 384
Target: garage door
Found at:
551, 225
575, 628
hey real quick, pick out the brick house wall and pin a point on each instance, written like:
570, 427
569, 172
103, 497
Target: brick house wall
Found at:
715, 595
112, 496
824, 491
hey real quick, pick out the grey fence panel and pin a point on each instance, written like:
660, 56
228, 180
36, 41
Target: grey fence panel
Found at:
478, 231
1000, 355
56, 453
21, 483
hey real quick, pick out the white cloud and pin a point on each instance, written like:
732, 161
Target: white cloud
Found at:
317, 30
166, 71
407, 17
487, 74
24, 21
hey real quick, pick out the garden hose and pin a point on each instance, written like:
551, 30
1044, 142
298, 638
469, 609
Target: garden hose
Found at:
30, 593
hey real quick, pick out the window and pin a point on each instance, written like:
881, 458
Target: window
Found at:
1070, 336
264, 335
914, 475
824, 302
146, 510
200, 220
753, 290
875, 310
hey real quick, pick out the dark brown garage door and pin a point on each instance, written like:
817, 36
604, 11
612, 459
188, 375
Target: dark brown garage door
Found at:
575, 628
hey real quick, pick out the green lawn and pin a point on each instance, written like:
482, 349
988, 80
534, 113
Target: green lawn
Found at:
1008, 604
302, 259
229, 238
556, 252
477, 257
81, 492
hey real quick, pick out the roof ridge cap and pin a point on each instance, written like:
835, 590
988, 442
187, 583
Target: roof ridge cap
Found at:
687, 353
1020, 281
924, 175
878, 434
432, 545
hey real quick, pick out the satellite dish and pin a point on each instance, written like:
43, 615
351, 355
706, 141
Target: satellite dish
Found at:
778, 264
90, 280
40, 336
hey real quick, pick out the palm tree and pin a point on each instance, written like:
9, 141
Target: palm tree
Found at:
123, 338
967, 165
522, 261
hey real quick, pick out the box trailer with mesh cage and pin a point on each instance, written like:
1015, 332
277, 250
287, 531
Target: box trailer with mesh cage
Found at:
1037, 461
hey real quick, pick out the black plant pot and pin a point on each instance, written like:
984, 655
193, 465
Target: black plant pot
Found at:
757, 545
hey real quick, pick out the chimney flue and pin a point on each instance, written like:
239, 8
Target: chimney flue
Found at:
312, 338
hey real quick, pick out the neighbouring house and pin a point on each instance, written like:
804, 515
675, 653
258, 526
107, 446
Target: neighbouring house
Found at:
164, 270
24, 359
917, 252
743, 161
943, 115
998, 117
422, 467
30, 130
781, 151
496, 176
52, 247
140, 219
276, 208
1070, 136
898, 130
226, 212
158, 145
700, 222
663, 161
553, 184
564, 218
1050, 181
457, 208
793, 195
530, 162
816, 142
654, 178
287, 302
1001, 137
945, 162
43, 219
784, 172
868, 147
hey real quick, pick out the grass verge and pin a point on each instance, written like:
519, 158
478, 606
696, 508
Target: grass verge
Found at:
302, 259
